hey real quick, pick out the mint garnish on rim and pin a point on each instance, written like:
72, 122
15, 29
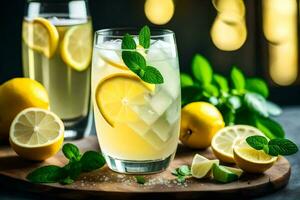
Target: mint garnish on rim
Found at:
135, 61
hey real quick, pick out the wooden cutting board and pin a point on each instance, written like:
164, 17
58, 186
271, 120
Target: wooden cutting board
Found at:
112, 185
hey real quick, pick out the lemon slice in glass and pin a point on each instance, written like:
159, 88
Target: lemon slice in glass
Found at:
36, 134
201, 166
250, 159
223, 141
76, 47
117, 94
41, 35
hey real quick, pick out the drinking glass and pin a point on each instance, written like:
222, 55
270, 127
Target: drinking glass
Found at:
137, 123
57, 51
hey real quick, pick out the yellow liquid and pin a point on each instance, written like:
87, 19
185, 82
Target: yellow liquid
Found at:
68, 89
154, 136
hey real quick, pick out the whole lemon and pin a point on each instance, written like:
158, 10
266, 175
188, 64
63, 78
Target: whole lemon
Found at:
199, 123
16, 95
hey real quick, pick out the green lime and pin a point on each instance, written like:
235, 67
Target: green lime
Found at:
222, 174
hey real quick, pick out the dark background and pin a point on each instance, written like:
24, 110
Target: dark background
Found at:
191, 23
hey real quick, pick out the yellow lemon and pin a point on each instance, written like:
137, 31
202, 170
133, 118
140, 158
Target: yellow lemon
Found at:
223, 142
76, 47
36, 134
199, 123
117, 94
250, 159
41, 35
16, 95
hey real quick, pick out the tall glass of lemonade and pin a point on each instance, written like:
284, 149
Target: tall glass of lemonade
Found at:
56, 51
137, 122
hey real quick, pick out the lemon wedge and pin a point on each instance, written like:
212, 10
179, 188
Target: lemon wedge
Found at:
223, 141
36, 134
117, 94
250, 159
41, 35
76, 47
201, 166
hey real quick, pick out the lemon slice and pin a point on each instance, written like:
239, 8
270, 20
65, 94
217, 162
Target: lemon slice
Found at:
250, 159
201, 166
76, 47
36, 134
223, 141
117, 94
41, 35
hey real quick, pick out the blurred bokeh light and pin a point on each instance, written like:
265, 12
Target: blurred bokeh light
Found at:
159, 11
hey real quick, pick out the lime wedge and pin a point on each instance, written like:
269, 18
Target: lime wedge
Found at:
201, 166
234, 170
222, 174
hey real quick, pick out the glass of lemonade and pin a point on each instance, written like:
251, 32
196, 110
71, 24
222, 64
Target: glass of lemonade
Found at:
137, 123
57, 51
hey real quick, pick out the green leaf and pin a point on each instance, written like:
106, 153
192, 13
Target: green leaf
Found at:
144, 37
238, 79
229, 117
234, 102
256, 103
258, 86
128, 42
71, 152
73, 169
184, 170
180, 179
273, 109
221, 82
190, 94
46, 174
174, 172
134, 61
202, 70
269, 127
210, 90
151, 75
186, 80
281, 146
91, 160
257, 142
66, 181
140, 179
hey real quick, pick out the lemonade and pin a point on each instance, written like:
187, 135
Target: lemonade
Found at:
62, 65
137, 123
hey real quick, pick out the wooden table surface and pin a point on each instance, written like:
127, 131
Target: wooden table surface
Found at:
11, 189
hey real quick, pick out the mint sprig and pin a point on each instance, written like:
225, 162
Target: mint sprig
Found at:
135, 61
140, 180
182, 173
273, 147
89, 161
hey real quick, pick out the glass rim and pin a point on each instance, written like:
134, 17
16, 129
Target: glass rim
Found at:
155, 32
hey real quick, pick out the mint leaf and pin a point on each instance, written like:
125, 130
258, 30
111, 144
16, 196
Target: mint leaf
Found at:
221, 82
151, 75
73, 169
210, 90
128, 42
269, 127
46, 174
281, 146
190, 94
257, 142
273, 109
181, 179
91, 160
134, 61
66, 181
202, 70
258, 86
71, 152
186, 80
144, 37
140, 179
256, 103
184, 170
238, 79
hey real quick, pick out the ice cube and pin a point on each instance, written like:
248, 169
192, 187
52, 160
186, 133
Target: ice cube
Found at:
152, 138
139, 127
161, 50
160, 101
146, 113
173, 112
162, 128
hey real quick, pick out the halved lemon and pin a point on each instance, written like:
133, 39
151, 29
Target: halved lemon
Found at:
76, 47
36, 134
117, 94
201, 166
250, 159
223, 141
41, 35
